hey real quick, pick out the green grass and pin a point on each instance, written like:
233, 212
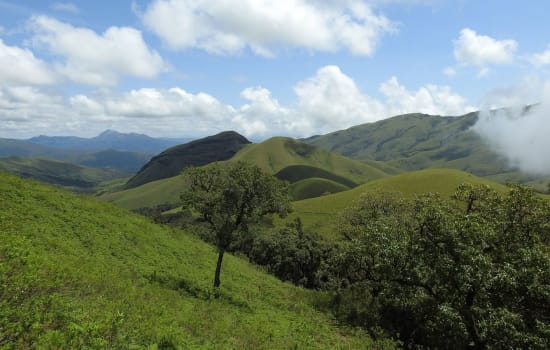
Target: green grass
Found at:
165, 191
77, 273
320, 214
277, 153
315, 187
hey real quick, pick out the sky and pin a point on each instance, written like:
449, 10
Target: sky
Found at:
191, 68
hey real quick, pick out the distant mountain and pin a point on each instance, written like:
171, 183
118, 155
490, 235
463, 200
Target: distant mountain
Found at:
196, 153
419, 141
122, 160
56, 172
109, 139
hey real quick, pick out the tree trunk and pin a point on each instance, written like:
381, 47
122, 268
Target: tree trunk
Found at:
218, 269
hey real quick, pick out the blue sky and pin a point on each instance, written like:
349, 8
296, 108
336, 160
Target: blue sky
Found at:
262, 68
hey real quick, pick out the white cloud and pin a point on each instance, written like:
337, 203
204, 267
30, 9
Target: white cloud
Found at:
542, 58
65, 7
21, 66
228, 27
89, 58
481, 50
327, 101
520, 136
450, 72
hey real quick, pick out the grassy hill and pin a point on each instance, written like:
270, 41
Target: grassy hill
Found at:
77, 273
60, 173
320, 214
420, 141
284, 157
277, 153
315, 187
196, 153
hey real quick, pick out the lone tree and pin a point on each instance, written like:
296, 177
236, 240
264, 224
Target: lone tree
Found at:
230, 197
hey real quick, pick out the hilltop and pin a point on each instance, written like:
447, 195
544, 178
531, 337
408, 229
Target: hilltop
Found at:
77, 273
195, 153
419, 141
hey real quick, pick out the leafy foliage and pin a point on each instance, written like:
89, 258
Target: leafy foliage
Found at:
230, 198
472, 272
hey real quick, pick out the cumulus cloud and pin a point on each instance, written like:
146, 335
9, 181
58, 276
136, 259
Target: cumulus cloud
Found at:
517, 133
96, 59
472, 49
21, 66
327, 101
229, 26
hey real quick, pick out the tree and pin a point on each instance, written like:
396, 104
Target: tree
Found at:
471, 272
230, 197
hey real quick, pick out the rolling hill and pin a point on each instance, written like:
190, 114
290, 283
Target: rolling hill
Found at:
284, 157
77, 273
72, 176
121, 160
420, 141
320, 214
195, 153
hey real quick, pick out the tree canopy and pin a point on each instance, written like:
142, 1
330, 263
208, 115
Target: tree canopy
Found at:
471, 272
230, 197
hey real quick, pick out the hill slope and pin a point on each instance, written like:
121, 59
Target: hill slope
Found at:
196, 153
76, 273
121, 160
319, 214
59, 173
277, 153
419, 141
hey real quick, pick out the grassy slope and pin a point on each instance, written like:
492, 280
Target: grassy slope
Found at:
77, 273
277, 153
59, 173
419, 141
320, 214
315, 187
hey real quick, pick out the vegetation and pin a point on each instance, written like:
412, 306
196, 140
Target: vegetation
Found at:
420, 141
471, 272
77, 273
318, 214
71, 176
229, 198
315, 187
203, 151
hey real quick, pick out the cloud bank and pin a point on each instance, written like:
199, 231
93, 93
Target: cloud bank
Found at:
519, 135
327, 101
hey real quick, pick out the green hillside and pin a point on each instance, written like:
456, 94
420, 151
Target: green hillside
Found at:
200, 152
319, 214
292, 160
72, 176
77, 273
420, 141
315, 187
277, 153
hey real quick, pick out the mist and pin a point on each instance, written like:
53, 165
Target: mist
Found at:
521, 130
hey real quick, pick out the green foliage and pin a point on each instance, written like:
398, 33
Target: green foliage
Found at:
471, 272
231, 197
314, 187
290, 254
76, 273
